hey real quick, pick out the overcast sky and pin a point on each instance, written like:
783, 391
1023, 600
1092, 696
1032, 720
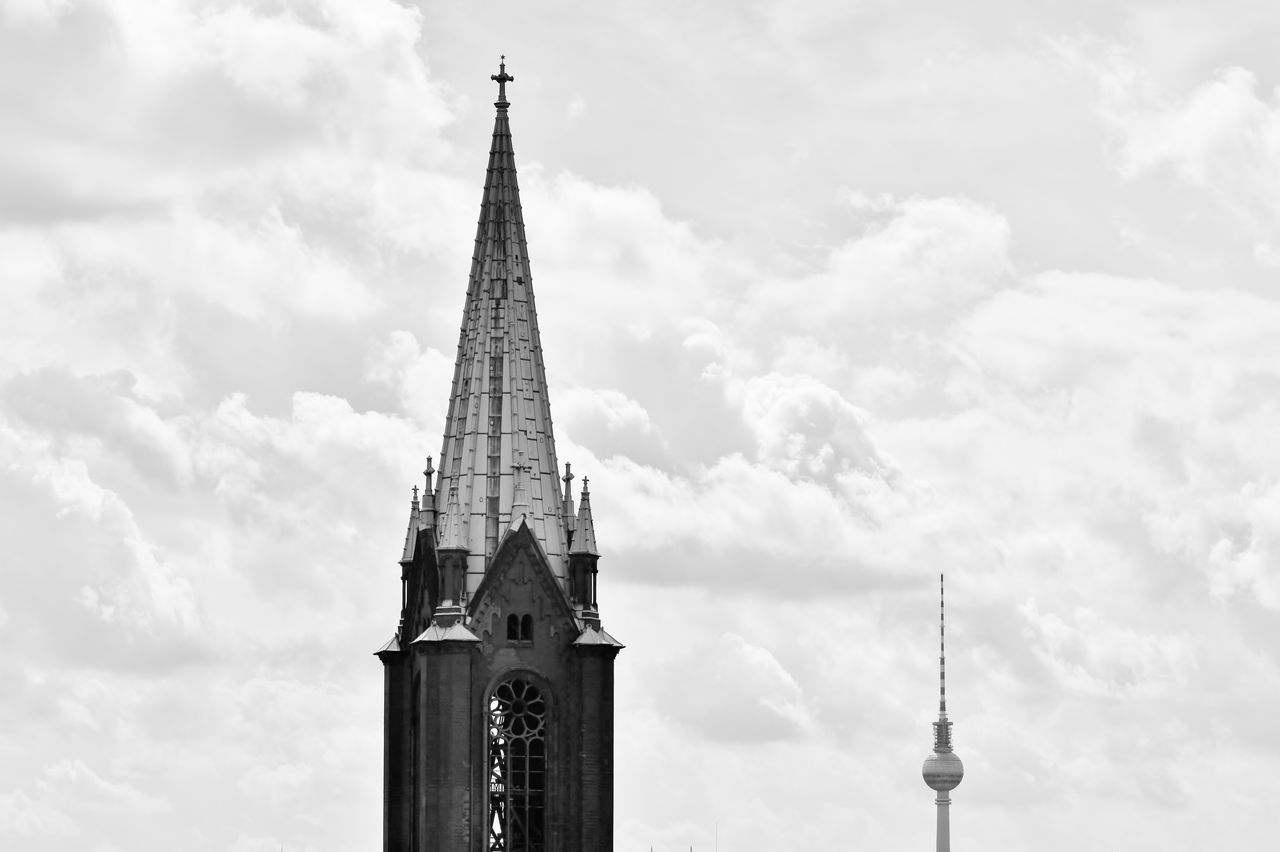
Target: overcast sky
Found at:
834, 296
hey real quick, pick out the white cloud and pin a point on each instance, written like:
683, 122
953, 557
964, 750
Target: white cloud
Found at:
74, 781
134, 585
415, 376
22, 816
277, 784
1090, 653
744, 694
922, 257
805, 428
1221, 137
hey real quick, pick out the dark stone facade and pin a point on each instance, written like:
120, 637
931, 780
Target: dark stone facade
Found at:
438, 689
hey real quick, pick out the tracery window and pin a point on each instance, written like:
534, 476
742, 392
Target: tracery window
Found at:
517, 767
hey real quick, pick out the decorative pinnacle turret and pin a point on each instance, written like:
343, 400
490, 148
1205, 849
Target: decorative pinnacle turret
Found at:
502, 78
566, 505
584, 529
452, 534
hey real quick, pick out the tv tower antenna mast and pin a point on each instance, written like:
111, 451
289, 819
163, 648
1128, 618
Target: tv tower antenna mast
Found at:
942, 770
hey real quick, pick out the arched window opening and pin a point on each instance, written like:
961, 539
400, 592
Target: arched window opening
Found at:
513, 628
517, 767
526, 628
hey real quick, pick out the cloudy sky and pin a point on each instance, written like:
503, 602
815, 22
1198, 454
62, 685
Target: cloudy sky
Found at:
834, 296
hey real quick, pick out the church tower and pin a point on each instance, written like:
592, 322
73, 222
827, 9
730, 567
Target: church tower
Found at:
498, 720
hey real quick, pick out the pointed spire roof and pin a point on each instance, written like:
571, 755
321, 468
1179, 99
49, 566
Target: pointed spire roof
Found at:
566, 508
453, 534
499, 407
411, 536
584, 534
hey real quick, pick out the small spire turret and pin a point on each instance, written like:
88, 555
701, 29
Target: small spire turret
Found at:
411, 535
428, 521
408, 557
584, 528
452, 556
453, 534
566, 507
583, 557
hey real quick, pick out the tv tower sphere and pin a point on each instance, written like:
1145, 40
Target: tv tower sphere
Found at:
942, 771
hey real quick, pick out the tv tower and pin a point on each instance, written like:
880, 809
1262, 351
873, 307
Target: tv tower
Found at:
942, 770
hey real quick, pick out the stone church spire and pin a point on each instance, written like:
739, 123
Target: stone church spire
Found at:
498, 433
498, 684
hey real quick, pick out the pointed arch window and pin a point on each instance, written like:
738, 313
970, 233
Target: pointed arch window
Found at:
517, 767
519, 628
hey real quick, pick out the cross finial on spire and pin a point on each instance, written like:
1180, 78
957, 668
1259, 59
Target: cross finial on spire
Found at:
415, 494
502, 78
